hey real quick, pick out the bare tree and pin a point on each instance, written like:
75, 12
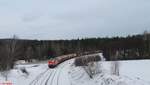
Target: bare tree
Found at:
29, 54
38, 51
90, 64
115, 68
146, 39
9, 51
115, 65
42, 50
92, 68
56, 48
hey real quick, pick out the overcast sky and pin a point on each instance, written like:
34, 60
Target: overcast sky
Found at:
68, 19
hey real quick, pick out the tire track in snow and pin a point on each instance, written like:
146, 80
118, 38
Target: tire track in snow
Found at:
59, 74
51, 74
79, 76
54, 74
38, 77
52, 78
43, 78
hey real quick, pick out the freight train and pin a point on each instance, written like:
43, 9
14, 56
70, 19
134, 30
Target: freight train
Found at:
55, 61
52, 63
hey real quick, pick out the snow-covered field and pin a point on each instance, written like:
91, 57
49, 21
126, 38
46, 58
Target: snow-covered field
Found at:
133, 72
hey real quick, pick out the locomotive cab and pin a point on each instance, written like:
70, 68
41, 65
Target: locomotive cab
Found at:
52, 63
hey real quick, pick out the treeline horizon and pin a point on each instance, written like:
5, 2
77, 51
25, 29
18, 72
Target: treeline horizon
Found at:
113, 48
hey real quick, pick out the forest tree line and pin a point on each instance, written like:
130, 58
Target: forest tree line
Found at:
122, 48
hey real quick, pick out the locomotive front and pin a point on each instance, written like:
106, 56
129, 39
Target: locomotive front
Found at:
52, 63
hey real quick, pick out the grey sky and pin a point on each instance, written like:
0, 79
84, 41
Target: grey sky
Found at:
67, 19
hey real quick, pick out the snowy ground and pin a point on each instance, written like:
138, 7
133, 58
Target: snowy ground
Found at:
131, 73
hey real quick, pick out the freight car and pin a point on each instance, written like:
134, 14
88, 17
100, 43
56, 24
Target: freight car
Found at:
84, 60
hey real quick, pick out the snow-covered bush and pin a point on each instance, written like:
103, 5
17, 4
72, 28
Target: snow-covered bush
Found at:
90, 63
93, 68
23, 70
5, 74
20, 62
